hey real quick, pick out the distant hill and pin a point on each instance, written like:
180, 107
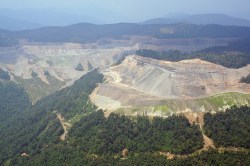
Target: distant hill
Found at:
6, 40
216, 19
160, 21
16, 24
47, 17
202, 19
85, 32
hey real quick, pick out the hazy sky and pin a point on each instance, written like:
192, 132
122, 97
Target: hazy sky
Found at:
135, 10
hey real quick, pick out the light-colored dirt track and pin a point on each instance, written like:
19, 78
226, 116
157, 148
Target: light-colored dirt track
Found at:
198, 118
65, 126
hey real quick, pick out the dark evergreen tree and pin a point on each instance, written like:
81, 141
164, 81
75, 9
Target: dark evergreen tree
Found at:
79, 67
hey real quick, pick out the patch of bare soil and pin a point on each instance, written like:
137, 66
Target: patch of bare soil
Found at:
208, 143
164, 80
195, 117
124, 153
198, 118
65, 126
232, 149
169, 155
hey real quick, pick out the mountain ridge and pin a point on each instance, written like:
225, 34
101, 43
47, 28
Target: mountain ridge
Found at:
201, 19
14, 24
41, 18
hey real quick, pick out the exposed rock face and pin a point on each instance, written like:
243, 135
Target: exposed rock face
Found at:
137, 81
59, 60
146, 79
44, 68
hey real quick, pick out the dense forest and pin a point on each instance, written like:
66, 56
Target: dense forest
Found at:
211, 31
84, 32
20, 128
65, 155
230, 128
101, 136
6, 40
37, 126
122, 140
223, 55
13, 99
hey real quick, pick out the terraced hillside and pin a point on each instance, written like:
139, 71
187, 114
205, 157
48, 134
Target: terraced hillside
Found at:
45, 68
189, 84
48, 59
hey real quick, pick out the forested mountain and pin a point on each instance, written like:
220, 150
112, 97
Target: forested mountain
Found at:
101, 136
60, 154
16, 24
220, 19
28, 129
200, 19
121, 140
211, 31
6, 40
20, 19
31, 134
13, 98
161, 21
84, 32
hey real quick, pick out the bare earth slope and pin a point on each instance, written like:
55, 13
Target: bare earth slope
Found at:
55, 60
142, 80
59, 59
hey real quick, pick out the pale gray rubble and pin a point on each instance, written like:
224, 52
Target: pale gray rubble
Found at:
43, 69
59, 60
139, 79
